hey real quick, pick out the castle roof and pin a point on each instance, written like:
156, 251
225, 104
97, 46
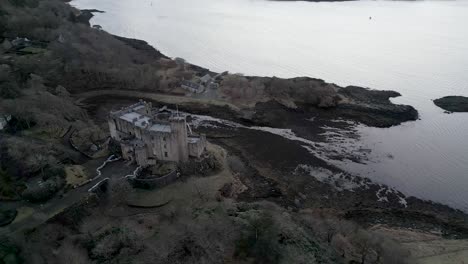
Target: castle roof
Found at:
160, 128
133, 115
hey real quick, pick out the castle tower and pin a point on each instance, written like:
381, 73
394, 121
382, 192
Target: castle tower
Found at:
148, 108
113, 128
179, 130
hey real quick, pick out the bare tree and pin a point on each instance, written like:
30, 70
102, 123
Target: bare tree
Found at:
361, 240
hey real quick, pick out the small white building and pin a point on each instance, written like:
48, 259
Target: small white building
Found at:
192, 87
147, 135
206, 79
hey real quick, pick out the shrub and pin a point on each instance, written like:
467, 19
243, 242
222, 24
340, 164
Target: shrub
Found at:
16, 125
9, 90
7, 188
44, 191
110, 243
9, 252
206, 166
54, 171
7, 216
115, 148
259, 240
24, 3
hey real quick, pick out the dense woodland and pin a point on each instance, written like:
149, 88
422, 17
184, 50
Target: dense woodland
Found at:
74, 55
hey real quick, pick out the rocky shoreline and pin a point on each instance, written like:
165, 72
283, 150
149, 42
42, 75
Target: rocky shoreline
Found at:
86, 15
367, 106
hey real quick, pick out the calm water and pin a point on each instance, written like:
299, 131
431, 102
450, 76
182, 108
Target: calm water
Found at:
417, 48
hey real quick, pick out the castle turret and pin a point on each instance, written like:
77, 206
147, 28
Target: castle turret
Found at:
179, 129
113, 128
148, 108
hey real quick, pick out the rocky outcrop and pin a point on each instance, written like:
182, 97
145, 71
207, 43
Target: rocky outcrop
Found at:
373, 107
453, 103
85, 15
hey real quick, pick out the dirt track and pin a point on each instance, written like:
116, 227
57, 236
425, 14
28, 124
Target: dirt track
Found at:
32, 215
163, 98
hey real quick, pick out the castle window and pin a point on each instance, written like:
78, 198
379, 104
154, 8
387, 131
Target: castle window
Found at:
165, 146
164, 138
165, 154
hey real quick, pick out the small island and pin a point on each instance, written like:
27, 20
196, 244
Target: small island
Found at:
453, 103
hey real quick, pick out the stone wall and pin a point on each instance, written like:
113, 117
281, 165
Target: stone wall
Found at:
152, 183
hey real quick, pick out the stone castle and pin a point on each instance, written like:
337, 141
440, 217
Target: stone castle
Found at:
147, 134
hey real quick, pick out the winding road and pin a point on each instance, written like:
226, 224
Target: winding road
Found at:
32, 215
